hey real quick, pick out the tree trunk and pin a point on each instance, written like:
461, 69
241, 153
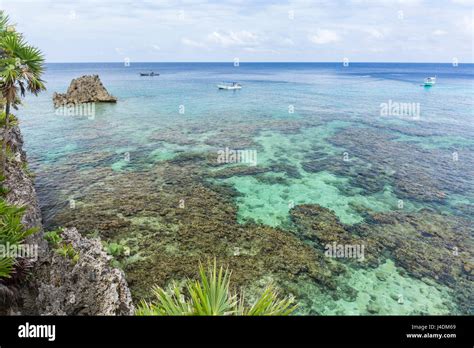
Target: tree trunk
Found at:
5, 137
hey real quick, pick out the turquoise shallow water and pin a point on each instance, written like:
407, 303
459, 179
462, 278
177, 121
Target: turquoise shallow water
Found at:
270, 203
321, 123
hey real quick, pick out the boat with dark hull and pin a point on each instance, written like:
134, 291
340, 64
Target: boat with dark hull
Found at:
151, 73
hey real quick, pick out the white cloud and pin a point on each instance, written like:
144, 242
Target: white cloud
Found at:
375, 33
288, 42
324, 36
468, 24
192, 43
439, 32
240, 38
260, 50
464, 2
108, 30
377, 50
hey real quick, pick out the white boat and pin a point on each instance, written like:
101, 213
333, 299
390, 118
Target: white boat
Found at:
229, 85
429, 81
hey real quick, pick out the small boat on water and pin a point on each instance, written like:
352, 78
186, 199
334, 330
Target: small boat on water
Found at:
429, 81
229, 85
150, 74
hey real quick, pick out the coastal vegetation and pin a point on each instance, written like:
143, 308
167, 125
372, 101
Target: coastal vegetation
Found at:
12, 235
211, 295
21, 68
60, 246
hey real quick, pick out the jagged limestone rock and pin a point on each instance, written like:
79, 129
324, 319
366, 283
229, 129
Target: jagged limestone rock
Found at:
85, 89
88, 287
21, 190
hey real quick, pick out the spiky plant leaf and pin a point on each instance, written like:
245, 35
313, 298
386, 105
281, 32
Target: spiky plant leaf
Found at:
171, 302
269, 303
210, 296
6, 267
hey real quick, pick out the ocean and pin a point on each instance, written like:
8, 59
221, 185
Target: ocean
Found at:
359, 159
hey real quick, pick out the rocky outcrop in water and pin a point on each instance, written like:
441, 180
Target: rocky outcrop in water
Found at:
85, 89
56, 285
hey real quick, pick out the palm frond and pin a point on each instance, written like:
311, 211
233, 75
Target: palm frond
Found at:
211, 296
270, 304
171, 302
6, 267
21, 67
4, 21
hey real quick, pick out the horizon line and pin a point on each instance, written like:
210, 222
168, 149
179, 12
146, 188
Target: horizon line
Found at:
252, 62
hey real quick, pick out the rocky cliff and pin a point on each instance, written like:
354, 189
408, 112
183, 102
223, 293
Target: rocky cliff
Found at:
57, 285
85, 89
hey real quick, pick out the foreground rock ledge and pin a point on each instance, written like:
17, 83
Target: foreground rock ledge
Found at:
85, 89
89, 287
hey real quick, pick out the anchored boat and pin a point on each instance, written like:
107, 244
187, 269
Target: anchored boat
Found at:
429, 81
150, 74
229, 85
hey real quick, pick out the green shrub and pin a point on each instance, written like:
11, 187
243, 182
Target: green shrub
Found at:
68, 251
60, 247
6, 267
53, 237
3, 190
117, 249
211, 295
12, 233
114, 249
13, 120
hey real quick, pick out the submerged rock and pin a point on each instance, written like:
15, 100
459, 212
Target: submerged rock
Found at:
416, 173
321, 227
179, 218
85, 89
426, 244
373, 308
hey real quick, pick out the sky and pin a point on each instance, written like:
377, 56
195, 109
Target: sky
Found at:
249, 30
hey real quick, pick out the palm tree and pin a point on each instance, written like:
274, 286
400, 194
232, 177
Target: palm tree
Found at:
4, 31
21, 67
5, 27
